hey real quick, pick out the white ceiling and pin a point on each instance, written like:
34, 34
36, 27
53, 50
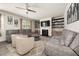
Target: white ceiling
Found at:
43, 9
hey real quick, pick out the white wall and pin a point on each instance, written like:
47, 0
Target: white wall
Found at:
72, 26
2, 38
48, 28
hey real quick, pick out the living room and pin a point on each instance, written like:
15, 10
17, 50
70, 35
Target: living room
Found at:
39, 29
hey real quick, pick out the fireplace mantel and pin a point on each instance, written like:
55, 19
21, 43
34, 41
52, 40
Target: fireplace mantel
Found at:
49, 28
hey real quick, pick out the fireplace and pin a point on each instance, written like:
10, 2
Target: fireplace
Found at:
44, 32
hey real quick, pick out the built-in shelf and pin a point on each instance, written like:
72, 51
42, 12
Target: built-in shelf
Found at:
57, 22
57, 25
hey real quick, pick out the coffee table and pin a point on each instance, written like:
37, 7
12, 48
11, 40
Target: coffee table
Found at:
36, 37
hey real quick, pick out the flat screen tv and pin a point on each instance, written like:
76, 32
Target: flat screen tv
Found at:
45, 23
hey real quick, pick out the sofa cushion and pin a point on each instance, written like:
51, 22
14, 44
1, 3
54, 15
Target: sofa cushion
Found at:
69, 37
60, 40
77, 50
58, 50
63, 37
54, 41
75, 44
66, 38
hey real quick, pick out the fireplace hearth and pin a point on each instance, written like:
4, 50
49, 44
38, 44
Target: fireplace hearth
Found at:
44, 32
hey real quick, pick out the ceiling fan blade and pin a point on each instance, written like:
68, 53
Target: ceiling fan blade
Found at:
27, 5
21, 8
26, 8
31, 10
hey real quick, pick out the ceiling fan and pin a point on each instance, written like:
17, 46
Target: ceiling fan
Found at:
27, 9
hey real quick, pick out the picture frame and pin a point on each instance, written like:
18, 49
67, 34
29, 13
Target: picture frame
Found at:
10, 20
69, 13
16, 22
78, 11
73, 13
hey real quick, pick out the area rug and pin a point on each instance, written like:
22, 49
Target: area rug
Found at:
3, 50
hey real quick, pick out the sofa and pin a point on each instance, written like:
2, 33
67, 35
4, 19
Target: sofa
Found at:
14, 37
11, 32
24, 45
65, 45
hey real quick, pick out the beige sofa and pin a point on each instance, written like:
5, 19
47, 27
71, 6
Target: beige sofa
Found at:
13, 38
24, 44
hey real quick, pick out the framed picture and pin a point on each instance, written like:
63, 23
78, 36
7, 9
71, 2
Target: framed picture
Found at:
78, 11
10, 20
69, 13
16, 22
73, 13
